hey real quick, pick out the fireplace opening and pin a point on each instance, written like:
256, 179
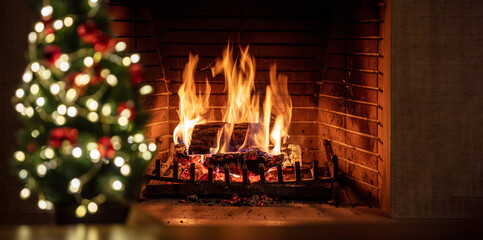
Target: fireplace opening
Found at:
331, 53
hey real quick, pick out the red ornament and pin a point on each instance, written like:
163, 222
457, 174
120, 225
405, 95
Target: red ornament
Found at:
58, 135
52, 53
88, 31
97, 78
31, 147
126, 105
105, 148
136, 72
103, 43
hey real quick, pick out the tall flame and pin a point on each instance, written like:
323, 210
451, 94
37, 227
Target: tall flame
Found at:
242, 105
191, 106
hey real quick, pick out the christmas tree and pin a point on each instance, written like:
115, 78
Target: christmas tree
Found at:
81, 141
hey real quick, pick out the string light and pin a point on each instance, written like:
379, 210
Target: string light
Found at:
135, 58
74, 185
25, 193
80, 211
58, 24
32, 37
152, 147
117, 185
126, 61
92, 104
42, 204
49, 153
77, 152
146, 89
62, 109
138, 138
40, 101
92, 146
35, 133
111, 80
41, 170
116, 142
27, 77
95, 155
126, 113
34, 89
35, 66
119, 161
60, 120
64, 66
72, 111
22, 174
123, 121
68, 21
29, 111
92, 3
143, 147
125, 170
92, 207
19, 156
105, 72
120, 46
147, 156
88, 61
46, 11
106, 110
93, 117
39, 27
49, 38
45, 73
20, 108
71, 95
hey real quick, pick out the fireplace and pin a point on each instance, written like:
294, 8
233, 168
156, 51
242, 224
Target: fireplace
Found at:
332, 55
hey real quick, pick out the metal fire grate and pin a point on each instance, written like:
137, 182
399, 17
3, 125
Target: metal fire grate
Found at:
321, 186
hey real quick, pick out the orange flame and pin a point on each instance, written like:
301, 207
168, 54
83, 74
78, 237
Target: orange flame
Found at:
191, 106
242, 105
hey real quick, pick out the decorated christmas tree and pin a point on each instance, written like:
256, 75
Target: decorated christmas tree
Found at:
81, 142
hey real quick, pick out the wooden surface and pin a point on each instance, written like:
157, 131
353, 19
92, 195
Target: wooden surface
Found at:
436, 87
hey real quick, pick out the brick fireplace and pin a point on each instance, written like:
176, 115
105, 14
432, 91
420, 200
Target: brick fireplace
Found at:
332, 54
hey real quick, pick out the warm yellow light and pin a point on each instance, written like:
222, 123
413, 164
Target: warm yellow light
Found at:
105, 72
32, 37
40, 101
46, 11
60, 120
41, 170
39, 27
74, 185
19, 156
25, 193
29, 111
91, 146
92, 104
93, 117
42, 204
62, 109
54, 88
119, 161
81, 211
50, 38
20, 108
92, 3
27, 77
117, 185
147, 155
126, 61
77, 152
88, 61
35, 66
143, 147
95, 155
72, 111
58, 24
123, 121
106, 110
71, 95
116, 142
19, 93
146, 89
46, 73
34, 89
22, 174
68, 21
35, 133
111, 80
49, 153
125, 170
92, 207
64, 66
135, 58
152, 147
125, 113
138, 137
120, 46
97, 57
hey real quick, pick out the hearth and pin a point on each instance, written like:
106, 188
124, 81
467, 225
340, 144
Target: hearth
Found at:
331, 54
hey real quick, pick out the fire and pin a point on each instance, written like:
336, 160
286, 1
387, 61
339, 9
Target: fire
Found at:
242, 106
191, 106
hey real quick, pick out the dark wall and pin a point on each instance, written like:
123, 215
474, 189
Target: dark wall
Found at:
16, 21
436, 87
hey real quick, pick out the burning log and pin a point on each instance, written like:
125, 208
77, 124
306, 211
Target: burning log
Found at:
205, 136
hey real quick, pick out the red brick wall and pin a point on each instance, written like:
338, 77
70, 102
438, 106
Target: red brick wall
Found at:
350, 99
